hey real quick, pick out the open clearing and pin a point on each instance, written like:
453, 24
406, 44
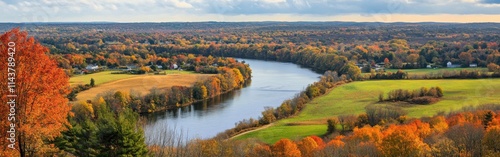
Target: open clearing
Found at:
352, 98
106, 76
142, 84
100, 78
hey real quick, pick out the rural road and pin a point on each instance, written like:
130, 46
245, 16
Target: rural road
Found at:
260, 128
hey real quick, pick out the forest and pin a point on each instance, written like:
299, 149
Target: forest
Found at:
341, 51
313, 45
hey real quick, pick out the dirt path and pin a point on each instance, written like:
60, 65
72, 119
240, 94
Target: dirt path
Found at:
246, 132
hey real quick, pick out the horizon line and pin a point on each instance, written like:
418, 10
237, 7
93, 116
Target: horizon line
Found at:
268, 21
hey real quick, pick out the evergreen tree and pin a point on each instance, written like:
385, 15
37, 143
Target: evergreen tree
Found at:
79, 139
110, 134
488, 117
92, 82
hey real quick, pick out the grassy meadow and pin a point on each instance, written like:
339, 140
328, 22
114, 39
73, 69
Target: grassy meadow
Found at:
352, 98
413, 72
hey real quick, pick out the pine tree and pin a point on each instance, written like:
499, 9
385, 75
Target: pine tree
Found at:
488, 117
92, 82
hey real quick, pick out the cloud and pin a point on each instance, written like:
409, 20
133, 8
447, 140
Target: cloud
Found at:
339, 7
111, 10
491, 1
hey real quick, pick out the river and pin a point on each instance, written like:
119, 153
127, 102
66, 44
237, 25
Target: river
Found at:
272, 83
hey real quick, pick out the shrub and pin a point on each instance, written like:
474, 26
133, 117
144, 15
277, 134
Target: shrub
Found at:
424, 100
422, 96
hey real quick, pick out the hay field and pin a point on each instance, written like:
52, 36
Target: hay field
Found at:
142, 84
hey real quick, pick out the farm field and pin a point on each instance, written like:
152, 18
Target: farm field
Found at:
100, 78
352, 98
143, 83
435, 71
106, 76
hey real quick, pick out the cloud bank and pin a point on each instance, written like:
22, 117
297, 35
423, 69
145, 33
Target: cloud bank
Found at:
247, 10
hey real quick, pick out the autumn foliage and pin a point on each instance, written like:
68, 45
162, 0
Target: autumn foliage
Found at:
41, 105
471, 132
285, 148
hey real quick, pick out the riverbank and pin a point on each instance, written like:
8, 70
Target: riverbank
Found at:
289, 108
254, 129
195, 101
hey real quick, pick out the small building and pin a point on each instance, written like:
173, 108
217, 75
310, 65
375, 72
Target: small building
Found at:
130, 67
360, 66
450, 65
159, 66
473, 65
174, 66
92, 67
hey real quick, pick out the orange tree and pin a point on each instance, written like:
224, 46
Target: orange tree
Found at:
40, 107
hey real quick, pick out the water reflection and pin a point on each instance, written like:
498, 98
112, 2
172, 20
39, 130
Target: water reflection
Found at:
203, 108
272, 83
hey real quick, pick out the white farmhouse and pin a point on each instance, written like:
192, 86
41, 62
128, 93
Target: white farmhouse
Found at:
92, 67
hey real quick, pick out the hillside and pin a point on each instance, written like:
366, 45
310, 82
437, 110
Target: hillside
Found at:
352, 98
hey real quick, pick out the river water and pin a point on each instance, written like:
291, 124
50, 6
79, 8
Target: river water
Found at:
272, 83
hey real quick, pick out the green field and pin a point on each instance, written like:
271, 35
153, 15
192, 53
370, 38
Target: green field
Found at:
435, 71
100, 78
106, 76
352, 98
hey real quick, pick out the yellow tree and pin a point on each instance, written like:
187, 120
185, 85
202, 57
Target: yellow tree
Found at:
490, 141
285, 148
422, 129
402, 141
260, 150
336, 142
438, 124
367, 134
321, 144
41, 107
307, 146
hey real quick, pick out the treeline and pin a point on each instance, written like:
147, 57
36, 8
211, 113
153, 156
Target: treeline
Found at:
400, 74
474, 131
422, 96
444, 74
290, 107
462, 74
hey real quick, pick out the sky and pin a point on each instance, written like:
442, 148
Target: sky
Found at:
249, 10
